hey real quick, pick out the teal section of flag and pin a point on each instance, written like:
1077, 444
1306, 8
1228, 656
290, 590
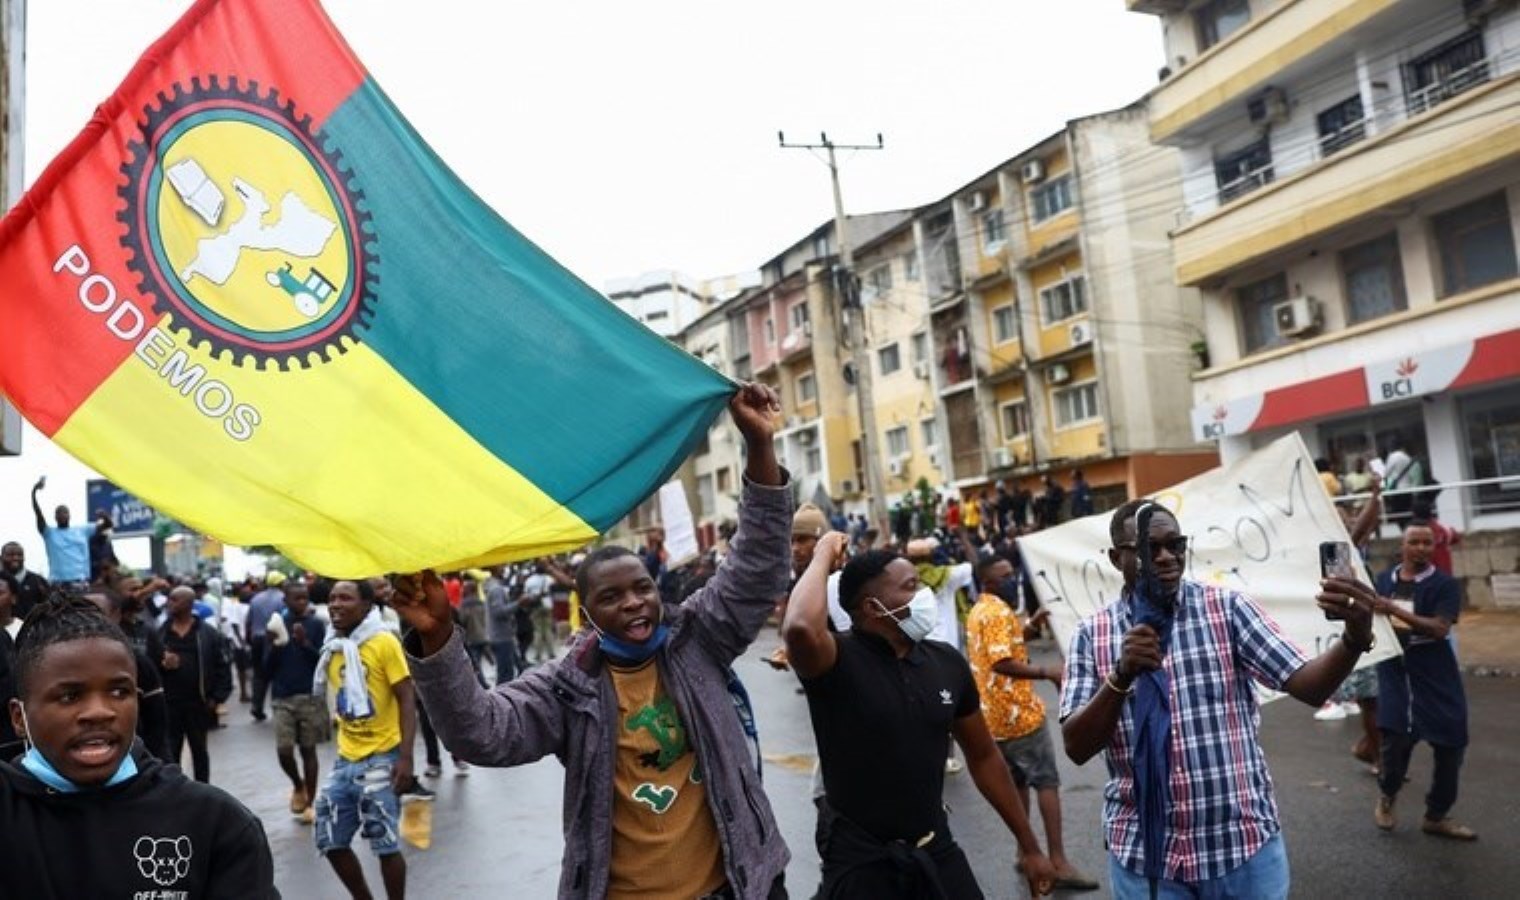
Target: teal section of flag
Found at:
548, 375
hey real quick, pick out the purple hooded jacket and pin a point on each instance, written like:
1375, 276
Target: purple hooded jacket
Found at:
567, 708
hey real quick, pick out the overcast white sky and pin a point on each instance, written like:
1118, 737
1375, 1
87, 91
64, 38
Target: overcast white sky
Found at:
626, 137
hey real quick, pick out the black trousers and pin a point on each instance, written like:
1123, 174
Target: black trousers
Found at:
189, 724
856, 864
1397, 747
429, 736
260, 676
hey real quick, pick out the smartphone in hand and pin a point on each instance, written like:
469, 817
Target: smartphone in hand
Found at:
1336, 560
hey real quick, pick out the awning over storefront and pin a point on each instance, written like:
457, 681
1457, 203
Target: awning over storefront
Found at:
1479, 361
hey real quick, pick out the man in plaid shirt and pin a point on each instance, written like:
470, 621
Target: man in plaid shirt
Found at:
1222, 832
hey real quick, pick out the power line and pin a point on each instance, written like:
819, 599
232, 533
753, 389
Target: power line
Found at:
847, 288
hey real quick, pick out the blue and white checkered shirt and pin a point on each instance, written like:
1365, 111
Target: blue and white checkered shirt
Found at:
1222, 809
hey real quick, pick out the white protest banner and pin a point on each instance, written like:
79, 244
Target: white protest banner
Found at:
680, 531
1254, 526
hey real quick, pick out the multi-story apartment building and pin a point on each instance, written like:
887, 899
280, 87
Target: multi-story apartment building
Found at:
666, 302
1350, 173
1059, 338
694, 314
788, 334
1026, 325
715, 470
910, 444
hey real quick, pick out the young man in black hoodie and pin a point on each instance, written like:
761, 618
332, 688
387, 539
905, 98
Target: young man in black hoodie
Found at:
85, 813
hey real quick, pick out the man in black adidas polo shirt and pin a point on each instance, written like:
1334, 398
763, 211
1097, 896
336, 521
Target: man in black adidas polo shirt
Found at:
884, 703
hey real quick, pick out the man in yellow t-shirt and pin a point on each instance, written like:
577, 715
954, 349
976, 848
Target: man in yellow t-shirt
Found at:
1014, 712
971, 514
363, 675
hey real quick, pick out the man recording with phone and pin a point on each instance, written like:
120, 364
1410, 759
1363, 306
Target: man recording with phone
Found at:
1420, 693
1160, 680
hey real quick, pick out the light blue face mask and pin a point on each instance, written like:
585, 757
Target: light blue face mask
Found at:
37, 764
923, 610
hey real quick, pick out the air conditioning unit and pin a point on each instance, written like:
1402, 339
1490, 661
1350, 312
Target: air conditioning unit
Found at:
1058, 374
897, 467
1270, 107
1003, 458
978, 201
921, 370
1295, 317
1080, 333
1032, 172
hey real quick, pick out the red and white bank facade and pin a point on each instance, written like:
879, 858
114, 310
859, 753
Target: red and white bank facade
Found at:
1443, 380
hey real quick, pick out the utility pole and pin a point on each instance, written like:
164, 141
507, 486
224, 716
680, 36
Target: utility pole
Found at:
847, 288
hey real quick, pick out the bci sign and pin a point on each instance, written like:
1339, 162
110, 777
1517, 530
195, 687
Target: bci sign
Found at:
1398, 388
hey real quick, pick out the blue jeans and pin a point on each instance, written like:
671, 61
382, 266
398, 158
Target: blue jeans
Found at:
358, 799
1262, 877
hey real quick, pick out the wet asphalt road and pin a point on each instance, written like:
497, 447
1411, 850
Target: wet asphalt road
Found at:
496, 833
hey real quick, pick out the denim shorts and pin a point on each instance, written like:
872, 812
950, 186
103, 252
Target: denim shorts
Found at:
357, 798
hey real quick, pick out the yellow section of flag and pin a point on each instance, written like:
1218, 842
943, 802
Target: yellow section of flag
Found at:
353, 463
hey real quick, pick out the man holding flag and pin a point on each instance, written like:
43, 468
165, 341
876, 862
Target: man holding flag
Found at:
1160, 680
661, 796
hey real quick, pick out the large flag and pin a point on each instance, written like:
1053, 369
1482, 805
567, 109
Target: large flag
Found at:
252, 296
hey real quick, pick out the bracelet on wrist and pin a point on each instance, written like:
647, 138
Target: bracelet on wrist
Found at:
1124, 690
1358, 648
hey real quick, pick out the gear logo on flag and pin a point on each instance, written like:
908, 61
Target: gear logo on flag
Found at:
244, 229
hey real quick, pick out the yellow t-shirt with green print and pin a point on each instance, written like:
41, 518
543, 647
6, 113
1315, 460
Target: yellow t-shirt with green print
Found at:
664, 841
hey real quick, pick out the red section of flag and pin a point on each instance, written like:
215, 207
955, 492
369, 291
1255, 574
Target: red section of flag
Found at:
1494, 357
1310, 399
287, 45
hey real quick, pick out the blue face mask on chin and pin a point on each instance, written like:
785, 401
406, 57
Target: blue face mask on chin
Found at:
35, 763
631, 652
43, 771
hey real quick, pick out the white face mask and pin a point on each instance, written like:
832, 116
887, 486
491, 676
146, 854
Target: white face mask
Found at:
922, 614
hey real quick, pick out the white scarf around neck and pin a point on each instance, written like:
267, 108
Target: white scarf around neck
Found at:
354, 689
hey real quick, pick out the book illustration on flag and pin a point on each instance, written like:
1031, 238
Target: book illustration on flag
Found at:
249, 293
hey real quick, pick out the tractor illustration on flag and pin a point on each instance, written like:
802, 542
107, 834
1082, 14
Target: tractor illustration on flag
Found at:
307, 295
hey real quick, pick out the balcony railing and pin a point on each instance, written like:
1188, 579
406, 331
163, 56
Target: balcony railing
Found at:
1451, 84
1245, 184
1342, 137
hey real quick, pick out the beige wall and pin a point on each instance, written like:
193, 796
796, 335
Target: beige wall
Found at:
906, 397
1144, 324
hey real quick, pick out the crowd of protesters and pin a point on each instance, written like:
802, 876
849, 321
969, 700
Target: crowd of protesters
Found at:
909, 643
